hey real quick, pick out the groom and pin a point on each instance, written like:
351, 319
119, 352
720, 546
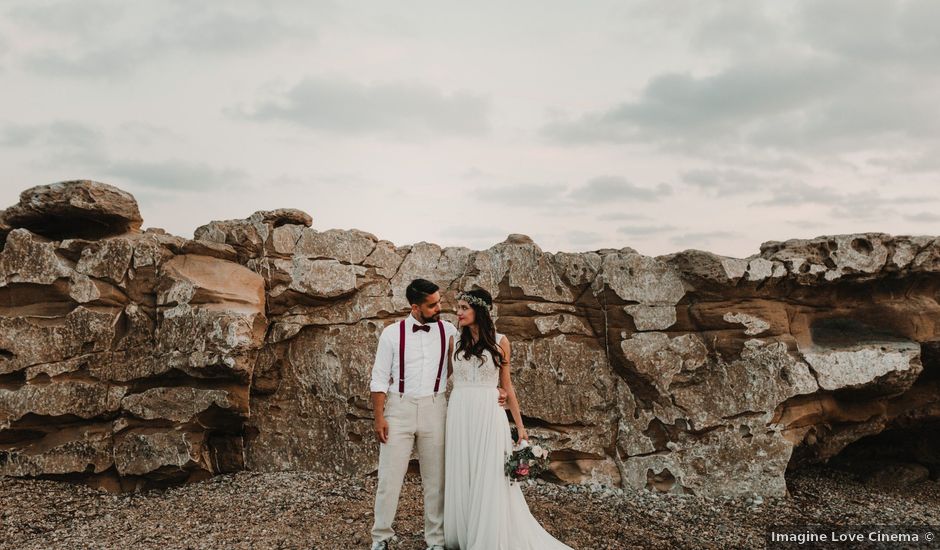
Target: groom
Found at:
409, 378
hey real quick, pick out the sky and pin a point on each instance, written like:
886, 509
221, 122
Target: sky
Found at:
660, 126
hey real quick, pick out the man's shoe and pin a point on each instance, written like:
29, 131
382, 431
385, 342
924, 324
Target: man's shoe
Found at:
381, 545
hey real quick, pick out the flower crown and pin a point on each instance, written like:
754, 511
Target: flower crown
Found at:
475, 300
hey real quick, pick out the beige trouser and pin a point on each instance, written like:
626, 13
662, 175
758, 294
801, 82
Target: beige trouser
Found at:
410, 418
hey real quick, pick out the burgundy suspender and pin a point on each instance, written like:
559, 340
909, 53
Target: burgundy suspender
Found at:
401, 357
440, 366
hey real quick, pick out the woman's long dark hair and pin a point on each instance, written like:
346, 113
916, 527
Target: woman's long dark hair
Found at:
486, 330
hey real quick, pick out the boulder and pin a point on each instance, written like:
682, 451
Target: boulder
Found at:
81, 208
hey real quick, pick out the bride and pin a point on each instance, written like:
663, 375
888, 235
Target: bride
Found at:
482, 510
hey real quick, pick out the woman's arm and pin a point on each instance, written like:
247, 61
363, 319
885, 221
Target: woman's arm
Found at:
505, 381
450, 356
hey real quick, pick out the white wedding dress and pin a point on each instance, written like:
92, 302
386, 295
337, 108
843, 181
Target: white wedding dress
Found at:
482, 510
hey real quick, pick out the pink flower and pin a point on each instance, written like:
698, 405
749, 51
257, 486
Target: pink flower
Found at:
522, 470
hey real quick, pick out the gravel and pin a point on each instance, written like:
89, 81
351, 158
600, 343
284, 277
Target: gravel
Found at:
313, 511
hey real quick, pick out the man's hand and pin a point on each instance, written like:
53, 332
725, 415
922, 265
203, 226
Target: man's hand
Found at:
380, 425
502, 398
381, 429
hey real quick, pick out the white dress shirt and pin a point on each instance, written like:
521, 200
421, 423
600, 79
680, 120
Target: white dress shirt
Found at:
422, 358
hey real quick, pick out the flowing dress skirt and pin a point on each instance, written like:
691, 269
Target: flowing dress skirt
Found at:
482, 509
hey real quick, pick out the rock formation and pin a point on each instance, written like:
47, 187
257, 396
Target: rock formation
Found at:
125, 356
132, 358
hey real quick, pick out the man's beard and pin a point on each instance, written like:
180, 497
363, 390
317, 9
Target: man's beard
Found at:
431, 319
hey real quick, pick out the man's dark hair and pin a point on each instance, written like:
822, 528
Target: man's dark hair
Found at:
419, 290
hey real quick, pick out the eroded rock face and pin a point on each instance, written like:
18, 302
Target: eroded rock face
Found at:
124, 360
144, 355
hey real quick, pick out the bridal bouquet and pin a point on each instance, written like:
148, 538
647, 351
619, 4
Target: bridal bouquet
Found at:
526, 461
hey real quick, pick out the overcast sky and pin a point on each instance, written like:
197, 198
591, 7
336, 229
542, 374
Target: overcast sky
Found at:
661, 125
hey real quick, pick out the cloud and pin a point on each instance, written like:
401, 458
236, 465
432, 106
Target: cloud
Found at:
79, 147
644, 229
474, 232
478, 237
61, 142
143, 133
681, 110
875, 31
474, 173
812, 80
18, 136
736, 26
806, 224
563, 200
800, 194
797, 194
925, 162
68, 17
178, 175
597, 191
622, 216
63, 133
925, 217
105, 39
581, 238
866, 204
102, 62
766, 161
323, 181
886, 32
603, 189
523, 194
228, 33
405, 110
725, 182
701, 237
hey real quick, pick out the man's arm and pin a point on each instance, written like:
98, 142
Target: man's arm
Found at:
381, 373
380, 424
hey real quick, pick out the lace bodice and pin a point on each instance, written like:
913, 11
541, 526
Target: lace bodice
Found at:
469, 372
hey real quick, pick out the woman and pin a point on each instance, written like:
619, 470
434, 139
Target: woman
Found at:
482, 509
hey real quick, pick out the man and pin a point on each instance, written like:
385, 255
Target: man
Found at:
409, 378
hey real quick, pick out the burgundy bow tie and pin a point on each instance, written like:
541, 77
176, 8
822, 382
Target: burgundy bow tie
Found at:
416, 328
